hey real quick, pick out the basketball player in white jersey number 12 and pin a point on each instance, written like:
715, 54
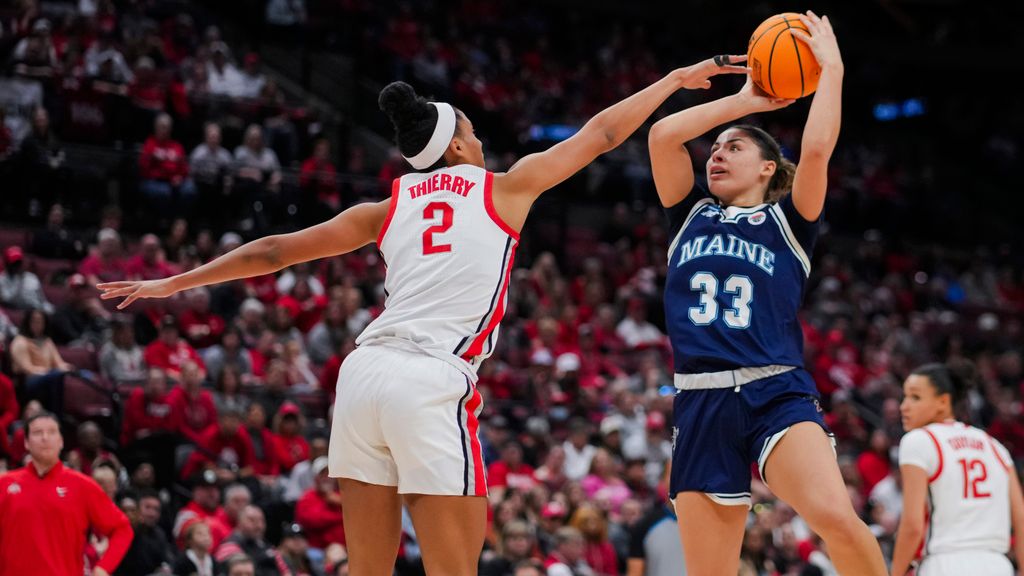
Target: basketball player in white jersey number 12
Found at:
961, 494
405, 420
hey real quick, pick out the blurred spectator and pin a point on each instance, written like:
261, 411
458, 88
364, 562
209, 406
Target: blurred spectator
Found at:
319, 510
265, 463
202, 327
874, 463
107, 480
236, 498
224, 78
205, 506
148, 92
567, 559
274, 392
294, 550
9, 411
225, 447
150, 263
318, 178
17, 445
603, 483
302, 477
35, 358
1007, 426
210, 165
654, 548
20, 288
229, 353
579, 453
329, 334
196, 557
193, 407
635, 330
56, 240
90, 452
105, 51
510, 472
289, 439
248, 539
149, 410
121, 357
228, 393
517, 544
105, 263
257, 170
286, 13
252, 80
599, 553
82, 319
240, 565
163, 170
150, 550
169, 351
35, 56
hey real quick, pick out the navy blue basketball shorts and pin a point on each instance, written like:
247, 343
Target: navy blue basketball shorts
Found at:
719, 433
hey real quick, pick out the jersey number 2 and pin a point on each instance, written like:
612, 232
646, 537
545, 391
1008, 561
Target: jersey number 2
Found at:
974, 474
742, 289
430, 213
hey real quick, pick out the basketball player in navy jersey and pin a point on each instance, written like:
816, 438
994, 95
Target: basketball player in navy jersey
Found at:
738, 264
405, 420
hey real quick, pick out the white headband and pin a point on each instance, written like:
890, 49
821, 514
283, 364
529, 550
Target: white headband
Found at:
444, 131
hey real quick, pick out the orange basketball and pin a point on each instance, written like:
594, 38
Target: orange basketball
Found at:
782, 66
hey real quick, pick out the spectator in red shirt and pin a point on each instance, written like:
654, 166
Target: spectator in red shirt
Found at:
201, 326
225, 446
318, 178
511, 471
169, 351
9, 411
149, 410
193, 407
1007, 426
205, 505
163, 170
47, 511
105, 264
319, 510
874, 464
150, 264
265, 462
289, 440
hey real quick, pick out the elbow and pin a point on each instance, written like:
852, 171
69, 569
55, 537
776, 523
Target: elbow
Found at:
271, 251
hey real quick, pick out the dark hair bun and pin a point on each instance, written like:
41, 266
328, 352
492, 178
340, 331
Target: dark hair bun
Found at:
399, 101
964, 375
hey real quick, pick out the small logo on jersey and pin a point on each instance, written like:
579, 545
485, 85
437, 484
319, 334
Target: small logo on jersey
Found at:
817, 405
675, 436
14, 488
757, 219
711, 211
62, 491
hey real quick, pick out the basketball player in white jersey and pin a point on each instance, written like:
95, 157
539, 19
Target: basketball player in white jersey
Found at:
405, 419
961, 494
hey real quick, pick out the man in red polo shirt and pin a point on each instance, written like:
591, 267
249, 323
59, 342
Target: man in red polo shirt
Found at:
47, 510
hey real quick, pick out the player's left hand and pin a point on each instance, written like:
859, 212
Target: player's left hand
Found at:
822, 40
698, 76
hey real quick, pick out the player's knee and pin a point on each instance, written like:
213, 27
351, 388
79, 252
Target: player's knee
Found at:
834, 522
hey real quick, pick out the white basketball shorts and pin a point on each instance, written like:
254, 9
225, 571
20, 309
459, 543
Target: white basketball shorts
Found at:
979, 563
407, 419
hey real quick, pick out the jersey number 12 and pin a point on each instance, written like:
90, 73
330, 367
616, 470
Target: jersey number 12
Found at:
740, 287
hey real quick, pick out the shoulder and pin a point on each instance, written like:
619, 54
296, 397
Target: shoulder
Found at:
917, 439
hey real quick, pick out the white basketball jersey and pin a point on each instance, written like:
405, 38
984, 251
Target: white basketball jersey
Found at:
968, 487
449, 257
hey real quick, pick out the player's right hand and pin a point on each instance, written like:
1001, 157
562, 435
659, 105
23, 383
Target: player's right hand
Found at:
757, 100
132, 291
698, 76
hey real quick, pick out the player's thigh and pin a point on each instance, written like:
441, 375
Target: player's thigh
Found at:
712, 534
801, 469
450, 530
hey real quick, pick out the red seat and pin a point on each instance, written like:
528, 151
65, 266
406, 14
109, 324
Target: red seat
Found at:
79, 357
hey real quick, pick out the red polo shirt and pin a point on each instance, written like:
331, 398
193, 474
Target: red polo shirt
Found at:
44, 522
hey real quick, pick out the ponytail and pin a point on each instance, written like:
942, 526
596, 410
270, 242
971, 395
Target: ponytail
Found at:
955, 378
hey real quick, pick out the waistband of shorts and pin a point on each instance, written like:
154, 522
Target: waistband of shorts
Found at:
728, 378
409, 346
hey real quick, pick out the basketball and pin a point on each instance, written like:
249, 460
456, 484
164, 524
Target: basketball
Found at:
781, 65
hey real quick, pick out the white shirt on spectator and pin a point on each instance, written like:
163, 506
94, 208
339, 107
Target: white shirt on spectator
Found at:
266, 161
94, 58
577, 462
226, 82
635, 333
23, 290
251, 84
122, 365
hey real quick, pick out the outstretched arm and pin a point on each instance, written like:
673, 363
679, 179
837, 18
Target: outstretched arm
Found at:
822, 128
535, 173
670, 161
348, 231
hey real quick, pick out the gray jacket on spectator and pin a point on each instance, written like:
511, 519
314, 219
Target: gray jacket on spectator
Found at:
122, 365
23, 290
208, 165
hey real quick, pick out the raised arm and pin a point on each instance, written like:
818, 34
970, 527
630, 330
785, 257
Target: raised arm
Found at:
348, 231
535, 173
822, 128
670, 160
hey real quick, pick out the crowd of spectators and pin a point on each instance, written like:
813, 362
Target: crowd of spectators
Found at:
214, 445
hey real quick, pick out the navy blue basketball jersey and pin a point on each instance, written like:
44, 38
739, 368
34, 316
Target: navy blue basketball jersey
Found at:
736, 278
